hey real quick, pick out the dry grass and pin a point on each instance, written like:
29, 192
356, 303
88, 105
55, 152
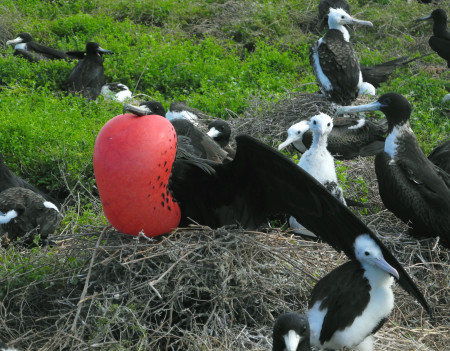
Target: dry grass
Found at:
204, 289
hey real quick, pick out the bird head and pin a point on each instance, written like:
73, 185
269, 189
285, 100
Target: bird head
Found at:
321, 124
369, 254
295, 133
338, 17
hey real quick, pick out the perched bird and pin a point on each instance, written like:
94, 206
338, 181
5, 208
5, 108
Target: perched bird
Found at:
350, 137
258, 182
87, 77
440, 156
353, 301
324, 10
36, 214
380, 73
220, 131
317, 160
25, 47
10, 180
291, 333
196, 142
334, 61
410, 185
116, 91
180, 110
440, 41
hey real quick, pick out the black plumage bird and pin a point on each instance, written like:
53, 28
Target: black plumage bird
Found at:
440, 41
10, 180
349, 138
26, 47
196, 142
291, 333
87, 77
410, 185
334, 61
36, 216
220, 131
440, 156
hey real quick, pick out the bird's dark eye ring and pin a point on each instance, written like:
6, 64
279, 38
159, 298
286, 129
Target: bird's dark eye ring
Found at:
342, 17
314, 122
367, 253
328, 124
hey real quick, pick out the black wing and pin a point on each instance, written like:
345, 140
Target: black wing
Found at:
46, 51
261, 181
345, 283
440, 156
379, 73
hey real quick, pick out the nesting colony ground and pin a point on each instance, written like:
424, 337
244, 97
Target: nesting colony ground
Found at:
203, 289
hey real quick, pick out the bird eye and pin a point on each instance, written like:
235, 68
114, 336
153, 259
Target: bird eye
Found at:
328, 124
342, 17
298, 132
314, 122
367, 253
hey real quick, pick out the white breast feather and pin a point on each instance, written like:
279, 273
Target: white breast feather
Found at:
320, 164
390, 145
325, 84
360, 124
49, 204
20, 46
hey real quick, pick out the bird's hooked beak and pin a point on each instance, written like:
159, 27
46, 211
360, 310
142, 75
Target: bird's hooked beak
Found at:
213, 133
373, 106
426, 18
288, 141
101, 51
291, 340
384, 266
18, 40
360, 22
138, 111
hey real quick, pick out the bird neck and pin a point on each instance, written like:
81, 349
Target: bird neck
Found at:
439, 27
342, 29
319, 141
377, 277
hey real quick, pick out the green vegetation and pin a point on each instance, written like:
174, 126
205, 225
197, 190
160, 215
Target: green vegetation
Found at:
216, 55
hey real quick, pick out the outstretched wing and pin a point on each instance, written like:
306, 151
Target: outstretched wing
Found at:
261, 181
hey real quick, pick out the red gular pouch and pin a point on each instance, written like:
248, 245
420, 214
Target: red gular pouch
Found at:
133, 158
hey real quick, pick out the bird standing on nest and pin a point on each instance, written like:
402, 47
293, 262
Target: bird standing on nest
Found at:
410, 185
35, 214
334, 61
